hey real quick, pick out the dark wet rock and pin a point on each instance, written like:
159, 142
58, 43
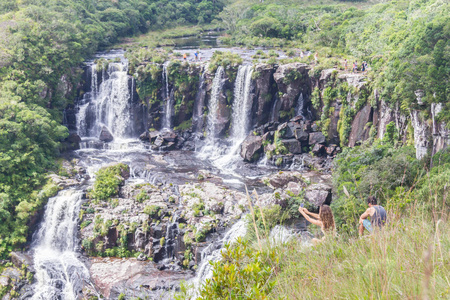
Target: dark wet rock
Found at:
318, 149
169, 136
316, 138
20, 259
314, 127
301, 135
74, 138
264, 92
330, 150
105, 135
145, 136
290, 130
268, 136
293, 146
292, 79
360, 132
318, 194
251, 148
333, 134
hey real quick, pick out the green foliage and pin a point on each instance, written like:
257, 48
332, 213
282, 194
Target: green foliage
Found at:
108, 180
142, 196
241, 274
366, 170
406, 43
152, 211
42, 43
228, 60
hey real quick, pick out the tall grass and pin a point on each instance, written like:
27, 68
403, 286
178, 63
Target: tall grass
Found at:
408, 259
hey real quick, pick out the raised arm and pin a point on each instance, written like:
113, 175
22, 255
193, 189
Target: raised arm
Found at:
312, 214
309, 219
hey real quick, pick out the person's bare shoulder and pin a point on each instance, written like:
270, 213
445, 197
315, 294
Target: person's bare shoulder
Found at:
371, 210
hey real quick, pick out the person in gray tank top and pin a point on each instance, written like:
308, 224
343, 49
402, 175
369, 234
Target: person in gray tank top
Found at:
377, 215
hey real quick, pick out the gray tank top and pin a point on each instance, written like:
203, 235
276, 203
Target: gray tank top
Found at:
379, 217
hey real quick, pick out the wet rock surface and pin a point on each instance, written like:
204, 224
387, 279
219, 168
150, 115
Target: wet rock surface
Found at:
134, 278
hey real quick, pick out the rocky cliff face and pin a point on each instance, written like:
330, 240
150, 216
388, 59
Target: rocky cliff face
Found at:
341, 106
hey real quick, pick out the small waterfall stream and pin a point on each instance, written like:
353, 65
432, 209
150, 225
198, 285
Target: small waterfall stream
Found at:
168, 97
210, 148
213, 253
197, 118
59, 272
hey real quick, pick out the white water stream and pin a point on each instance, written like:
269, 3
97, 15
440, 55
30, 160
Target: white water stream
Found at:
59, 272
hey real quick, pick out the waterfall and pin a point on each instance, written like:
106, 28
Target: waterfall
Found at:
241, 116
168, 97
171, 237
197, 118
59, 272
108, 104
213, 253
275, 109
242, 105
213, 107
300, 108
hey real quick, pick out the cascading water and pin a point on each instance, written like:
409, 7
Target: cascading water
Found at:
108, 104
213, 253
213, 107
275, 109
241, 116
242, 105
59, 272
197, 118
168, 96
300, 108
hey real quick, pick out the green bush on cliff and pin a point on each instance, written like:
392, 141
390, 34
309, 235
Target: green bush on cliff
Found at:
108, 180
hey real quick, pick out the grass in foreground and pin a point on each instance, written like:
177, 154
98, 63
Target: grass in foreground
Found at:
409, 259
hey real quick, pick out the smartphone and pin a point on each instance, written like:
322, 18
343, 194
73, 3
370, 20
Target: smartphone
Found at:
302, 204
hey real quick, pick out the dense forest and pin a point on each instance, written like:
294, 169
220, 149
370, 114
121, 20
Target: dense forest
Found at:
41, 43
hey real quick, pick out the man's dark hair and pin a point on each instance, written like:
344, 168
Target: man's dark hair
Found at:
372, 200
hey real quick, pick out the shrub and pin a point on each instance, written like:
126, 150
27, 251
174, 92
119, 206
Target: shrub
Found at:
108, 180
152, 210
241, 274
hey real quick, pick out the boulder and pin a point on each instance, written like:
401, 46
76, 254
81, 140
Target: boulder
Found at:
169, 136
73, 138
145, 136
281, 179
301, 135
20, 259
330, 150
316, 138
105, 135
359, 131
251, 148
318, 194
318, 149
293, 146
